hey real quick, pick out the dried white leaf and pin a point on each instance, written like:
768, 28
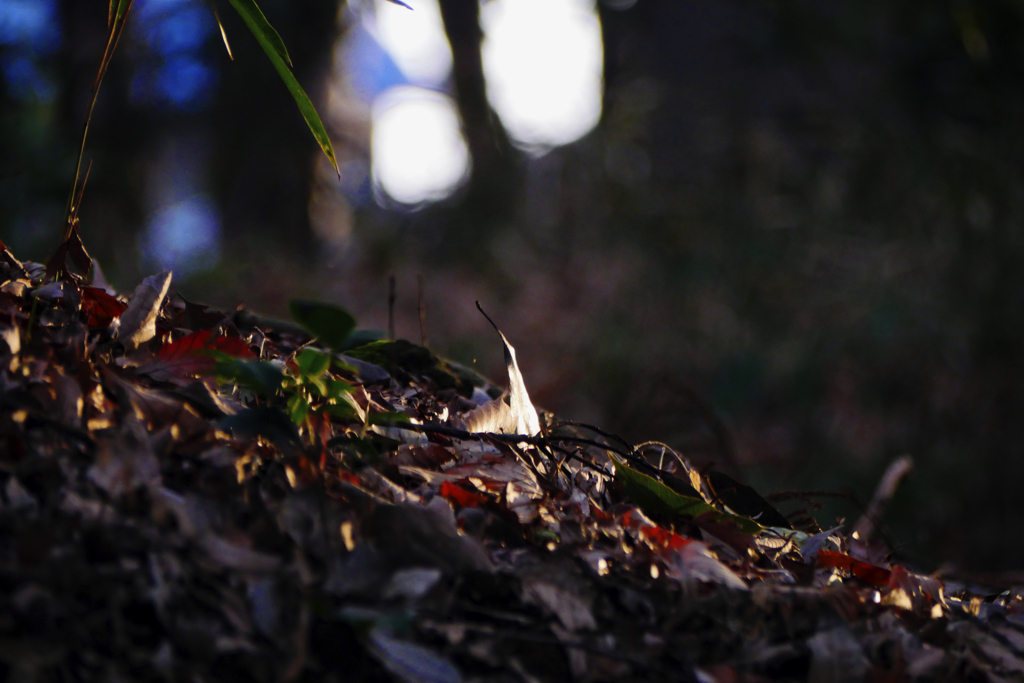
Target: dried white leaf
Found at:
12, 337
409, 662
695, 561
522, 411
51, 291
562, 594
137, 324
412, 583
493, 417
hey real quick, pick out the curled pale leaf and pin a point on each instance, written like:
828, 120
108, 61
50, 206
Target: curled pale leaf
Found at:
138, 323
523, 414
491, 417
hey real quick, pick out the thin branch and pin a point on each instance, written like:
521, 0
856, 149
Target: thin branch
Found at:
596, 430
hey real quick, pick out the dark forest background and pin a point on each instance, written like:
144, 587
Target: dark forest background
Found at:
793, 245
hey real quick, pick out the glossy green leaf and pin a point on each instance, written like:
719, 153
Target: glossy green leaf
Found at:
312, 363
272, 44
330, 324
660, 501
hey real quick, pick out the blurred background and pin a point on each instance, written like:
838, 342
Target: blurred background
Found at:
784, 236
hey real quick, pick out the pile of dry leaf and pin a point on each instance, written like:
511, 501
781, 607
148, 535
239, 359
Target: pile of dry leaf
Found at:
198, 496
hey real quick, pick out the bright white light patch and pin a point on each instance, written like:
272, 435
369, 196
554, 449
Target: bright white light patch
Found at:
417, 147
543, 60
415, 40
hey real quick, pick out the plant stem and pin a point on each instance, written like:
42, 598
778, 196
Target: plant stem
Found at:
116, 23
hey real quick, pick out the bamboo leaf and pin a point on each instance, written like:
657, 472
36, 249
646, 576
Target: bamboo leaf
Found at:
272, 44
118, 8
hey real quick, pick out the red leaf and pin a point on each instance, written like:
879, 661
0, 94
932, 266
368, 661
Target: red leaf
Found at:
663, 539
187, 357
345, 475
99, 307
878, 576
460, 496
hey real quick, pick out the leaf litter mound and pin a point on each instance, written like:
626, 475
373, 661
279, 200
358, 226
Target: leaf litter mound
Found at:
188, 494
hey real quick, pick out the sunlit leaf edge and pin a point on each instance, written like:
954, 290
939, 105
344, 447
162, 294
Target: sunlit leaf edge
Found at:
272, 44
656, 498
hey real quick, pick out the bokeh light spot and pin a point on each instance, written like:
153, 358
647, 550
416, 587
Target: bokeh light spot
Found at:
184, 236
417, 147
415, 40
544, 64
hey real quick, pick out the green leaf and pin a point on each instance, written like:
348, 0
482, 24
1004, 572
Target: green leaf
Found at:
272, 44
341, 410
312, 364
338, 388
266, 422
660, 501
330, 324
260, 376
298, 408
386, 418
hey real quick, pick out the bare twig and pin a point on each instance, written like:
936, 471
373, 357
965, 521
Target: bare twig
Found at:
607, 435
890, 481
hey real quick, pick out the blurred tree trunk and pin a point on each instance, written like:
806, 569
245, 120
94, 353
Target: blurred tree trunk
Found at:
492, 188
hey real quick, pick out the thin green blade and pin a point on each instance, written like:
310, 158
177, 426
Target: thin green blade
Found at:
122, 9
272, 44
261, 28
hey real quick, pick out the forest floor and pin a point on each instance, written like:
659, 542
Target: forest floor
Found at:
190, 494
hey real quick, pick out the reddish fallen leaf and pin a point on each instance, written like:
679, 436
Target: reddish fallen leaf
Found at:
200, 341
725, 530
99, 307
878, 576
601, 516
188, 356
454, 493
349, 477
663, 539
923, 591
